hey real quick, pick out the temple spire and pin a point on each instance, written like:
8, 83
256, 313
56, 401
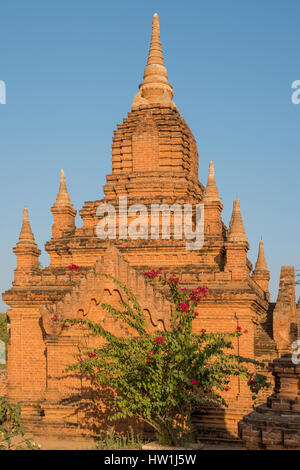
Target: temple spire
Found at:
26, 251
211, 192
155, 89
261, 264
155, 56
63, 197
261, 274
62, 210
26, 234
236, 232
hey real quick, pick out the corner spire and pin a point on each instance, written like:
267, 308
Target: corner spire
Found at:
236, 232
26, 234
261, 274
211, 192
155, 89
62, 210
27, 253
63, 197
261, 264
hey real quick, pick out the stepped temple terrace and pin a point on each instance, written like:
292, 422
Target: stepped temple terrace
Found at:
154, 161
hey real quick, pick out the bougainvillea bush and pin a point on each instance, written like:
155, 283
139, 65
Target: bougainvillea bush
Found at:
161, 377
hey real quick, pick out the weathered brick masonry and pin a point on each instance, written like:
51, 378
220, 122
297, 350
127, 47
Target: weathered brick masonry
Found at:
3, 382
154, 160
275, 425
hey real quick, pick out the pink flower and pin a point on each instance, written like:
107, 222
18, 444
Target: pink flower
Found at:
251, 382
149, 352
197, 294
226, 389
196, 314
92, 354
73, 267
159, 339
153, 273
147, 359
184, 307
173, 278
194, 382
238, 328
55, 318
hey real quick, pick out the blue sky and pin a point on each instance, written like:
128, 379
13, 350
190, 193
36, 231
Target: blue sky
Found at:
73, 67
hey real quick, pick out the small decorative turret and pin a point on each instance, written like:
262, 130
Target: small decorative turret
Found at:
213, 206
26, 251
211, 192
261, 274
155, 88
236, 232
237, 246
26, 237
63, 210
261, 264
63, 197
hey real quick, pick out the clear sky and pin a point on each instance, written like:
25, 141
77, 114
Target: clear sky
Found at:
73, 67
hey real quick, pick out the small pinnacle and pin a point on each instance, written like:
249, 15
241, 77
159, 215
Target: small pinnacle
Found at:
211, 192
62, 195
261, 263
26, 234
236, 230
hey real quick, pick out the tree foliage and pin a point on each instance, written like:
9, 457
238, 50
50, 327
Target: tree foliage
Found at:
162, 377
12, 432
3, 327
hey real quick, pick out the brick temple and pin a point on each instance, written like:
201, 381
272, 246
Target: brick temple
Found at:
154, 160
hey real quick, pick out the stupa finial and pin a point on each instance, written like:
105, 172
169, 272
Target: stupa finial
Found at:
211, 192
63, 197
155, 89
236, 232
26, 234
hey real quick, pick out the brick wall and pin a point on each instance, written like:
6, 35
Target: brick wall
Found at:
3, 382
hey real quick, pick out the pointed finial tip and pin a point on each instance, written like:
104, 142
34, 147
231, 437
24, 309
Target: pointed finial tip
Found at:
155, 20
211, 170
62, 195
